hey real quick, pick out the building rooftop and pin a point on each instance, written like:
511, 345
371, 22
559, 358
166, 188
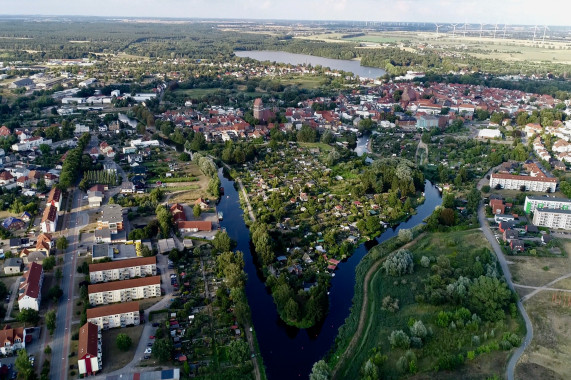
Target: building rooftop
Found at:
112, 213
99, 251
549, 199
553, 210
123, 264
125, 284
88, 336
118, 308
523, 177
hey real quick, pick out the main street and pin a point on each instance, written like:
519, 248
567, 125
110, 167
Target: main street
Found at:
74, 221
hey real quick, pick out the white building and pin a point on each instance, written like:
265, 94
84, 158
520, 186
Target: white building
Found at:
12, 340
124, 291
489, 133
30, 143
546, 217
515, 182
123, 269
30, 291
118, 315
532, 203
49, 219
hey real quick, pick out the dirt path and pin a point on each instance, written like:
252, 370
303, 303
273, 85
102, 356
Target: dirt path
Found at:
418, 155
544, 287
363, 314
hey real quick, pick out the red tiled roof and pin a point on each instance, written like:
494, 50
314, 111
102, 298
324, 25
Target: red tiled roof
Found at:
523, 178
50, 213
54, 195
87, 341
9, 335
200, 225
32, 281
123, 264
118, 308
125, 284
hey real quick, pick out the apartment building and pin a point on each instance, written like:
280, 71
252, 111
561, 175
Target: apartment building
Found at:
515, 182
123, 269
124, 291
12, 340
532, 203
30, 292
55, 198
89, 358
112, 218
117, 315
552, 218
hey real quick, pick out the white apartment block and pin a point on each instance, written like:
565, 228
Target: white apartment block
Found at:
533, 203
545, 217
123, 269
515, 182
124, 291
117, 315
30, 291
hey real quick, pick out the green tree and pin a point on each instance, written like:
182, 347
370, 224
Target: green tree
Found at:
320, 371
163, 349
50, 319
196, 211
23, 365
49, 263
28, 316
488, 296
123, 342
238, 351
55, 292
291, 310
62, 243
222, 242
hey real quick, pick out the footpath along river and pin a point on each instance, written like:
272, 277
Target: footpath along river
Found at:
289, 352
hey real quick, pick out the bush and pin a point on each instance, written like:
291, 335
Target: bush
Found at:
123, 342
390, 304
425, 261
399, 263
404, 235
399, 339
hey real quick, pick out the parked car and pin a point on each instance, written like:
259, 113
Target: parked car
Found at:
155, 324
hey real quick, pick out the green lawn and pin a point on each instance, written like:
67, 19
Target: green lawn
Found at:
307, 82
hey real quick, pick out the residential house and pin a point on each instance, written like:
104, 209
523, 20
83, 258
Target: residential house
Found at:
123, 269
517, 245
12, 340
55, 198
124, 291
22, 181
89, 350
44, 243
12, 224
202, 203
30, 291
127, 187
50, 179
49, 219
510, 235
498, 206
503, 218
6, 178
95, 199
103, 235
177, 211
194, 226
117, 315
13, 265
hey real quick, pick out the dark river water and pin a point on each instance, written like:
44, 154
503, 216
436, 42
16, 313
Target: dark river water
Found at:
352, 66
289, 352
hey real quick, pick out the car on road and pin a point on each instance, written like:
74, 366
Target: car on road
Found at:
148, 350
152, 337
150, 344
155, 324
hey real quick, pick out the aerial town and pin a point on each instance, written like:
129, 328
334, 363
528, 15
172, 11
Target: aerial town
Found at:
177, 216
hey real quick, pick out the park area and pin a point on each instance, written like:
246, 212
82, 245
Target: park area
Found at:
436, 304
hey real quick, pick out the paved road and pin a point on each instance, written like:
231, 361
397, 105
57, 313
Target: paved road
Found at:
61, 338
502, 260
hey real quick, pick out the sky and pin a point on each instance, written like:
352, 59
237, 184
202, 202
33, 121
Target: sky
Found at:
531, 12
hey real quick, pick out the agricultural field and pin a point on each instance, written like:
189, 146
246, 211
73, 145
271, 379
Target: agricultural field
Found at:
433, 334
549, 353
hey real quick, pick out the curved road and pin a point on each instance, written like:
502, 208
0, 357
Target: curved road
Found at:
500, 255
544, 287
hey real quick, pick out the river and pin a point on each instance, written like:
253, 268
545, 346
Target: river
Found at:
352, 66
289, 352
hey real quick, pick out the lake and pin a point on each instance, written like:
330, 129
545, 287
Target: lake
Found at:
352, 66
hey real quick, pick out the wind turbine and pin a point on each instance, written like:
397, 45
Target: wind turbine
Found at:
481, 29
544, 29
534, 32
504, 31
495, 30
437, 27
465, 25
454, 32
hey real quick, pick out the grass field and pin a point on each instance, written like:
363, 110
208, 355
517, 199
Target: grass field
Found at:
113, 358
549, 354
307, 82
460, 249
198, 92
